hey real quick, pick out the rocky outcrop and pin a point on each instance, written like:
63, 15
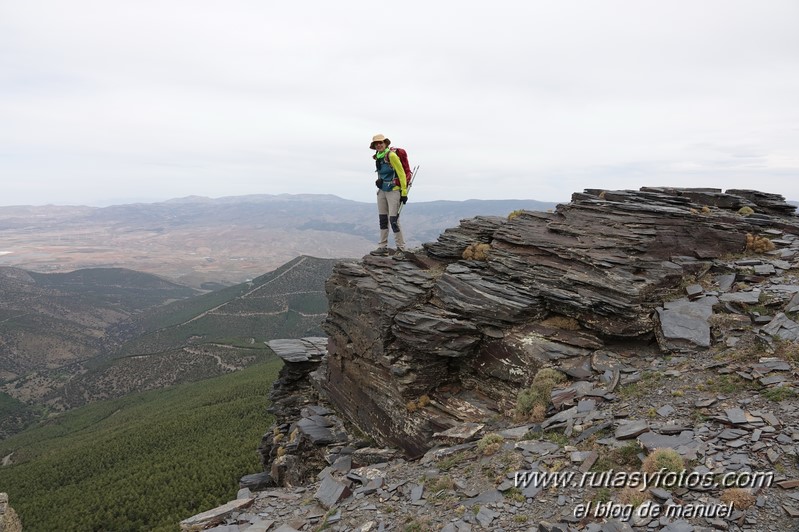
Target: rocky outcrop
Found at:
294, 450
417, 347
431, 354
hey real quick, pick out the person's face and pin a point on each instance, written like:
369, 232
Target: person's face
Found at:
379, 145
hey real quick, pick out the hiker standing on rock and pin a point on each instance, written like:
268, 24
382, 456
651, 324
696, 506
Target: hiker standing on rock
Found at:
392, 192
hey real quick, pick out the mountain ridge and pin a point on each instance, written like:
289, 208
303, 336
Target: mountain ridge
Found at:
207, 242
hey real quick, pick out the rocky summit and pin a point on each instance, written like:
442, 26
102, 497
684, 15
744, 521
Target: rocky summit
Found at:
626, 333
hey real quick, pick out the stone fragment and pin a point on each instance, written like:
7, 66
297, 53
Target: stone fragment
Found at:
487, 497
782, 327
774, 379
540, 448
660, 494
214, 516
736, 416
765, 269
704, 403
732, 434
746, 298
793, 304
678, 526
485, 517
586, 405
461, 433
584, 435
725, 282
631, 429
791, 510
260, 525
614, 525
665, 410
545, 526
331, 492
317, 431
299, 350
515, 433
694, 291
286, 528
684, 324
771, 419
773, 456
684, 443
589, 461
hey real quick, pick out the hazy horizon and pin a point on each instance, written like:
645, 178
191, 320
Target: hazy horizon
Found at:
111, 102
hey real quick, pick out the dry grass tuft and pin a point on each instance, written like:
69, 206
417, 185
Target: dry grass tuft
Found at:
633, 496
758, 244
490, 444
667, 459
532, 403
740, 498
413, 406
476, 251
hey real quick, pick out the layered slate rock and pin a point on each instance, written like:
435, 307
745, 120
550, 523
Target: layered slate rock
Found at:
417, 347
301, 357
291, 452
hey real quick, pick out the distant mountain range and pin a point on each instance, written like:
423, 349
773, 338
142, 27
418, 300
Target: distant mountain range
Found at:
208, 243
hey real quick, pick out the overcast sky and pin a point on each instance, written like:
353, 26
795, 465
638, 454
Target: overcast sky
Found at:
108, 101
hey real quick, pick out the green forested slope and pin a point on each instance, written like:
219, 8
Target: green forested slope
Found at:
289, 302
142, 462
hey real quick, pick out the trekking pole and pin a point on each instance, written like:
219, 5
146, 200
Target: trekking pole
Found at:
410, 184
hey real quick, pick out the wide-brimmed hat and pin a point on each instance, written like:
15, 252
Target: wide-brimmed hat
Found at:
378, 138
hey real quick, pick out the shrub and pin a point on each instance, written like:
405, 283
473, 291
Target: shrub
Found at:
490, 444
477, 251
633, 496
740, 498
444, 482
413, 406
745, 211
758, 244
515, 213
667, 459
779, 393
562, 322
532, 403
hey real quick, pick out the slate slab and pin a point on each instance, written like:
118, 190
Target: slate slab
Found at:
736, 416
683, 324
631, 429
331, 492
746, 298
215, 515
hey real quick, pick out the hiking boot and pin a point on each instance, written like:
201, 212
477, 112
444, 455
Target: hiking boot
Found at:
399, 255
379, 252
